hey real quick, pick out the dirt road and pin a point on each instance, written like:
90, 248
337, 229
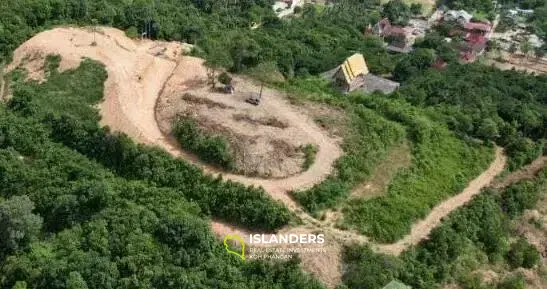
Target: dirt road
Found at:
421, 229
137, 72
527, 172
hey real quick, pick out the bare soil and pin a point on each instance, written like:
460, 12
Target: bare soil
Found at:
263, 140
139, 71
2, 81
527, 172
519, 62
397, 159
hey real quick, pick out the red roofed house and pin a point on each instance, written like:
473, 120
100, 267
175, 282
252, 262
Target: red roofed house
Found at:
476, 36
400, 39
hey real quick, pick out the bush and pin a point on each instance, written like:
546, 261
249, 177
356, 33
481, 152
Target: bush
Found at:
442, 165
512, 282
212, 149
519, 197
369, 138
310, 151
522, 254
366, 269
132, 32
65, 112
225, 78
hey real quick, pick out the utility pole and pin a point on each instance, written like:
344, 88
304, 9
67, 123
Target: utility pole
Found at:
94, 23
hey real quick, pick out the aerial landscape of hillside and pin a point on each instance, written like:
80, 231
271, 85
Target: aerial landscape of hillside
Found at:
293, 144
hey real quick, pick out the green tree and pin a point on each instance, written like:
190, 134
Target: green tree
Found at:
416, 8
225, 78
522, 254
20, 285
75, 281
413, 63
488, 129
94, 23
218, 58
397, 11
526, 47
19, 225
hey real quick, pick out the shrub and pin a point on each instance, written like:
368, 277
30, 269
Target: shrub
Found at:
132, 32
519, 197
522, 254
310, 151
225, 78
512, 282
212, 149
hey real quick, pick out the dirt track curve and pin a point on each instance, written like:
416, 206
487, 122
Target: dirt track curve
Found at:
421, 229
137, 75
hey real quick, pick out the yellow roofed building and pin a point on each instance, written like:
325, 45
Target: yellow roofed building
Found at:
352, 68
353, 74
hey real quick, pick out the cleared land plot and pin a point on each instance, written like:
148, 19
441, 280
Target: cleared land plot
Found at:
266, 140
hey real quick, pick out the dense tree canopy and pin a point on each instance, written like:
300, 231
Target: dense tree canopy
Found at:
397, 11
82, 208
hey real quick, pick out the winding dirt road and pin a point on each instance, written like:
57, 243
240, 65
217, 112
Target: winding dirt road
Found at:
421, 229
137, 75
138, 72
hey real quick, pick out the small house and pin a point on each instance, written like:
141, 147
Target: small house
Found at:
353, 74
349, 71
399, 39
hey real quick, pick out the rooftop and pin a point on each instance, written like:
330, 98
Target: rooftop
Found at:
354, 66
372, 83
477, 26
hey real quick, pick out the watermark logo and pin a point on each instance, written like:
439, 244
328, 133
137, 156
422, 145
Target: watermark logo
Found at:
275, 246
237, 239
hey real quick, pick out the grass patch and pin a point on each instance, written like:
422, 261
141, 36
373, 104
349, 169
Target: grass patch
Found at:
367, 139
474, 236
398, 159
310, 151
443, 165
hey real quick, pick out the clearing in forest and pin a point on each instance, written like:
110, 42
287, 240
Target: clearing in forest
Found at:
150, 82
140, 71
266, 140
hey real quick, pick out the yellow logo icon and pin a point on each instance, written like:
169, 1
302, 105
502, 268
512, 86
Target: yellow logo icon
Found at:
238, 239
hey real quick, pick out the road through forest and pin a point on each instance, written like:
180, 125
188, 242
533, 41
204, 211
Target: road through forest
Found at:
136, 77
